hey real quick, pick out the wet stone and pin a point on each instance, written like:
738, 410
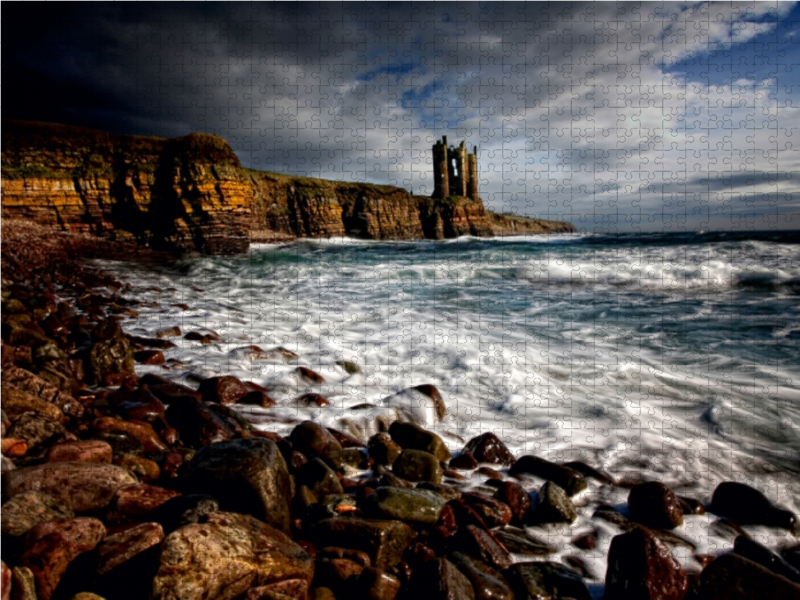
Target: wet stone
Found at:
488, 448
384, 541
36, 430
374, 584
224, 390
197, 424
382, 449
80, 486
183, 510
691, 506
309, 375
28, 509
311, 399
319, 478
139, 499
349, 367
149, 357
23, 584
416, 507
535, 580
89, 451
553, 505
758, 553
439, 579
747, 506
144, 468
120, 442
228, 555
481, 544
333, 573
487, 584
121, 547
169, 332
641, 566
143, 432
413, 437
447, 492
586, 541
15, 403
48, 559
247, 476
493, 512
84, 532
590, 472
417, 465
520, 542
313, 440
733, 577
516, 497
655, 505
569, 480
464, 461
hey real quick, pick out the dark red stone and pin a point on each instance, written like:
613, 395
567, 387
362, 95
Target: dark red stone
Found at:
655, 505
464, 461
641, 566
149, 357
488, 448
569, 480
493, 512
516, 497
311, 400
225, 390
310, 375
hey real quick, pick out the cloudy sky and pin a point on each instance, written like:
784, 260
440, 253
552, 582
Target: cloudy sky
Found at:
615, 116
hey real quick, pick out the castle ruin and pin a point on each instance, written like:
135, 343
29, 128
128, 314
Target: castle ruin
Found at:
455, 173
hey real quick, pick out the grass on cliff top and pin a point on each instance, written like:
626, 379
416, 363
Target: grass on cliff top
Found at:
322, 184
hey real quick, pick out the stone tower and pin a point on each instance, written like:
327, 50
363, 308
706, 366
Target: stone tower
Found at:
455, 173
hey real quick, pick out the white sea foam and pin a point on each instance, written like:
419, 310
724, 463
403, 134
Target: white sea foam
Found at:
566, 353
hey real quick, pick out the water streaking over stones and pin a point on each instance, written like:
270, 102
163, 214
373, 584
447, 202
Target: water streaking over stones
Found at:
443, 466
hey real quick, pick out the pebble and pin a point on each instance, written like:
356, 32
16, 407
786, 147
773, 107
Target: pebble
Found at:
121, 547
417, 465
226, 556
655, 505
383, 540
247, 476
412, 506
553, 505
747, 506
140, 499
641, 566
439, 579
569, 480
225, 390
48, 558
548, 580
84, 532
411, 436
488, 448
733, 577
80, 486
89, 451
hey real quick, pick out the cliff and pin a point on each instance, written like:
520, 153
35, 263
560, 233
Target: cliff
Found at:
191, 193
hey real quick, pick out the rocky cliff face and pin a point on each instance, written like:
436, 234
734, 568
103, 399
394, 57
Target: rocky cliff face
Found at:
181, 194
192, 194
505, 224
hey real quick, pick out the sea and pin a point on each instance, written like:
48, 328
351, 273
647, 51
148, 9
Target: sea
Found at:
668, 356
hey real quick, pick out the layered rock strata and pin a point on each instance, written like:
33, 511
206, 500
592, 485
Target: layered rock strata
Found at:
192, 194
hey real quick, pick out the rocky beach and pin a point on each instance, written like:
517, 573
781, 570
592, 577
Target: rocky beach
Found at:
119, 481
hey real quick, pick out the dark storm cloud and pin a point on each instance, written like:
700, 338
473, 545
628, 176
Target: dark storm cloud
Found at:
571, 105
